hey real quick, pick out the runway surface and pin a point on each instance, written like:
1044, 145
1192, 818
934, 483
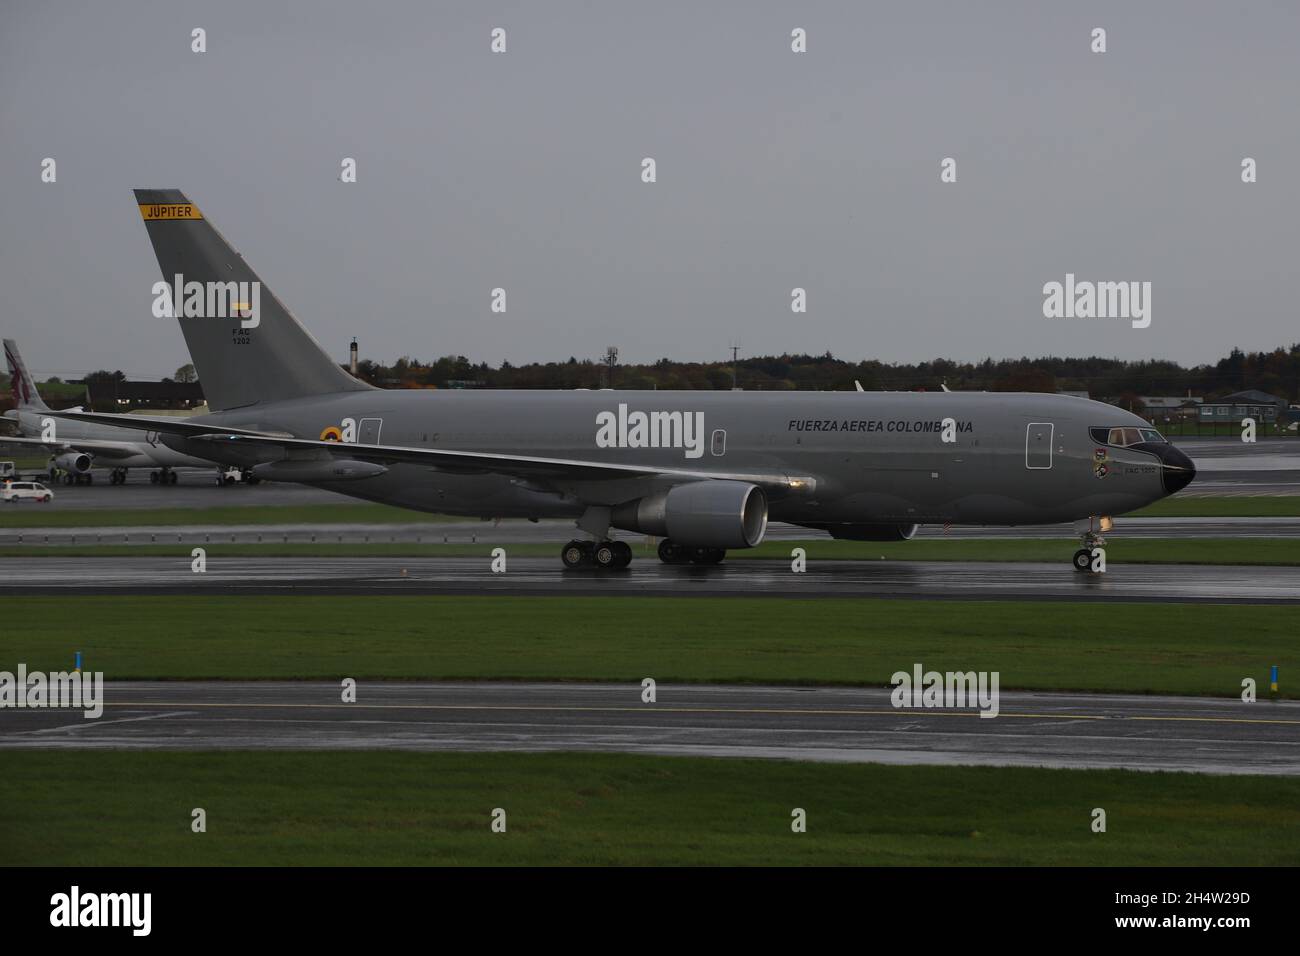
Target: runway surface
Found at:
930, 580
557, 532
823, 724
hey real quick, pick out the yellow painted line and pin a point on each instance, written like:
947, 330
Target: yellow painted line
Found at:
1222, 720
900, 712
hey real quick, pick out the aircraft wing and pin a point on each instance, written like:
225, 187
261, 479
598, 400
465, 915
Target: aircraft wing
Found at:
142, 423
443, 458
477, 461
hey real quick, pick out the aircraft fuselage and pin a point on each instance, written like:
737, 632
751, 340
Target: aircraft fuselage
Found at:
877, 457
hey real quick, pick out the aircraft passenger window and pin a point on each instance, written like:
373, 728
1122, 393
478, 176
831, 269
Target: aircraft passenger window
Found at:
719, 444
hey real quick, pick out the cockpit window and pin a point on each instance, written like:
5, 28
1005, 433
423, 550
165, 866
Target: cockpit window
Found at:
1124, 437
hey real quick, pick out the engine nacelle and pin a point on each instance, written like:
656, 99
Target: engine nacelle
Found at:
700, 514
327, 469
870, 532
73, 461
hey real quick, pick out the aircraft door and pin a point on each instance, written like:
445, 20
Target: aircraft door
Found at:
1038, 445
368, 433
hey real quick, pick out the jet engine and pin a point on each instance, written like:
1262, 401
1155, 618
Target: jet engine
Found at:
869, 532
78, 463
700, 514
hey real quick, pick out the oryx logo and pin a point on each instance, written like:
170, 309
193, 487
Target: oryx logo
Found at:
624, 429
18, 384
209, 300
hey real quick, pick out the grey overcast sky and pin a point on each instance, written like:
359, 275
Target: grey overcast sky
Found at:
775, 170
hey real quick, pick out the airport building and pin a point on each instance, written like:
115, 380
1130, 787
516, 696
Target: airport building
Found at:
126, 395
1171, 407
1251, 403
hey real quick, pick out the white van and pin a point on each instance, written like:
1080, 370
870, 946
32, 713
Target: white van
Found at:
18, 490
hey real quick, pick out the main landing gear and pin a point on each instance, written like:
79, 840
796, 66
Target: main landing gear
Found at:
670, 552
605, 555
1092, 538
117, 476
164, 477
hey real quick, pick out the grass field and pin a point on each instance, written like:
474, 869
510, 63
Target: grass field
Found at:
133, 809
1144, 648
1216, 506
1119, 550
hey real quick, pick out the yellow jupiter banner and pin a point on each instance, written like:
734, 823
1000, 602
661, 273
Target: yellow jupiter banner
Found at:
171, 210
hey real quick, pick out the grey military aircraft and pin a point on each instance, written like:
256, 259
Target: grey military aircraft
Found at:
705, 471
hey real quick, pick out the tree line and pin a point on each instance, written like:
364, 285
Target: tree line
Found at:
1276, 372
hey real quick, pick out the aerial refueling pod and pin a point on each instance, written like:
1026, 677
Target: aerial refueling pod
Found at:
869, 532
702, 514
317, 469
76, 462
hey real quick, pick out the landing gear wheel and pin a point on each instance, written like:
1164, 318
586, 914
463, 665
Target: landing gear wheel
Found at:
153, 478
1083, 560
670, 552
604, 554
622, 554
575, 554
707, 555
171, 477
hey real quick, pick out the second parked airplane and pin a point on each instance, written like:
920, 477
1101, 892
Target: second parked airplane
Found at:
78, 447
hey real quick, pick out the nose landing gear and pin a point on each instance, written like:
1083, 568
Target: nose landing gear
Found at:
1093, 538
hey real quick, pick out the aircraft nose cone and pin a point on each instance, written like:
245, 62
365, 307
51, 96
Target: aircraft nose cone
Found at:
1177, 470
